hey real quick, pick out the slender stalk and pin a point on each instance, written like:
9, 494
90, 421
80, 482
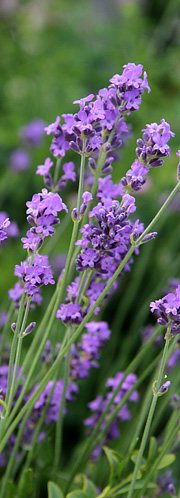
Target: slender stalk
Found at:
59, 425
163, 451
14, 344
150, 416
18, 354
56, 173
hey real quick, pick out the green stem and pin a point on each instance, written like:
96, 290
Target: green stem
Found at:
56, 173
18, 354
163, 451
59, 425
150, 417
13, 347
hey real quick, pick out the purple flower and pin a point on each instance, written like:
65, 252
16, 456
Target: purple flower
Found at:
153, 148
43, 169
32, 134
68, 169
19, 160
70, 313
52, 128
83, 101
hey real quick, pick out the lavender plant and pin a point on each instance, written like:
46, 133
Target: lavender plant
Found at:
38, 383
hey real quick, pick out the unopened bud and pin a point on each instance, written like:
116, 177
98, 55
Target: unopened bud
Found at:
13, 326
29, 328
148, 237
74, 214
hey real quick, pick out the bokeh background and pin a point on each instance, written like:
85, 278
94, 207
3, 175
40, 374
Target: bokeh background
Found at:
56, 51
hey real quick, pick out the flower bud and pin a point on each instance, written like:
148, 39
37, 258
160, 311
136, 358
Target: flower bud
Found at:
13, 326
29, 328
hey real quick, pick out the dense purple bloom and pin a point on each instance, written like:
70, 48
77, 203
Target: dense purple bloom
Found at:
70, 313
129, 87
85, 354
19, 160
108, 189
110, 238
34, 275
32, 134
135, 176
99, 404
154, 147
42, 215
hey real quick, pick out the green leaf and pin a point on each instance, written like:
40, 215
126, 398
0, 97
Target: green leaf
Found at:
54, 491
134, 458
26, 484
116, 462
88, 487
152, 453
166, 460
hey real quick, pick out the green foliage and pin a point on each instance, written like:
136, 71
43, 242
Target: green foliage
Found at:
25, 489
54, 491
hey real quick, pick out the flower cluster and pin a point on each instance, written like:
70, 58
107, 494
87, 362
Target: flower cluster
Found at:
99, 404
86, 353
154, 147
109, 238
42, 216
35, 272
167, 311
87, 130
